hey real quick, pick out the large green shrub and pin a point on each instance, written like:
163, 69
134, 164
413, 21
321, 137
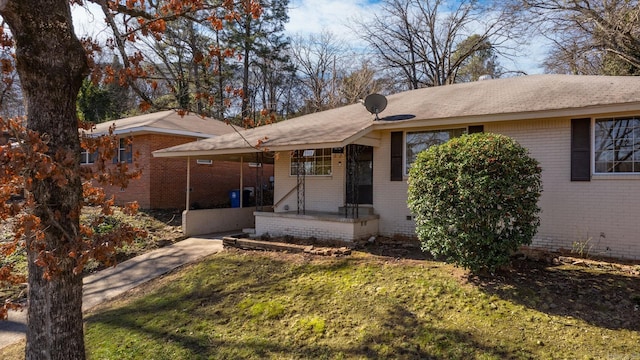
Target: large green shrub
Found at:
475, 199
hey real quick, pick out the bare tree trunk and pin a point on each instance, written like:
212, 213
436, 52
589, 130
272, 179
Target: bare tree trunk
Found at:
245, 67
51, 63
220, 106
193, 44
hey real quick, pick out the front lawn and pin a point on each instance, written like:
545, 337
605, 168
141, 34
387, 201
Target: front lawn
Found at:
256, 305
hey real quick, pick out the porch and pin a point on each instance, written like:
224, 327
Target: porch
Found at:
310, 182
316, 224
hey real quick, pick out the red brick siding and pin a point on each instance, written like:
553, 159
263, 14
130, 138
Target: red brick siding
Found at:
138, 189
164, 181
210, 184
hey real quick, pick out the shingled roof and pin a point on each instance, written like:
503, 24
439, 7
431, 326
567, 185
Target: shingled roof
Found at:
167, 122
517, 98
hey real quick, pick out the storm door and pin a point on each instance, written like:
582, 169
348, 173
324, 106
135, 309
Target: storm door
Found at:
359, 175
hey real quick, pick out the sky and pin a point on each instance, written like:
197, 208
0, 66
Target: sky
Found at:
313, 16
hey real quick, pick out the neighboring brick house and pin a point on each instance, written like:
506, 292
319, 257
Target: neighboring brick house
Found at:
584, 131
163, 182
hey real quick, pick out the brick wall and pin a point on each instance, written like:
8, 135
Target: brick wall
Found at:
322, 193
138, 189
309, 226
390, 197
602, 213
163, 182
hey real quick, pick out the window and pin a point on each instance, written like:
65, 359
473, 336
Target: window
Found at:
316, 162
87, 158
417, 142
617, 145
204, 162
125, 151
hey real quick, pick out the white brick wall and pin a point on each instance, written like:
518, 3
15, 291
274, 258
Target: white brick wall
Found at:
572, 211
322, 193
390, 197
307, 226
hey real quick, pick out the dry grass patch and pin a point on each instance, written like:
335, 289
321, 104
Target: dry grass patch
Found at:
261, 305
255, 305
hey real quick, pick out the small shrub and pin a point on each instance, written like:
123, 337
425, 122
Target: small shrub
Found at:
475, 199
582, 248
108, 225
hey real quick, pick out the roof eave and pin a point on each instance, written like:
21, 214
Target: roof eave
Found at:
143, 130
594, 110
203, 153
264, 148
362, 137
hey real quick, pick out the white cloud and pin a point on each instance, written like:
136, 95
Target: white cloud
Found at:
88, 20
532, 56
312, 16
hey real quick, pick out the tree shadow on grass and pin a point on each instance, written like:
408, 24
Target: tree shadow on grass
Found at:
401, 336
193, 319
603, 298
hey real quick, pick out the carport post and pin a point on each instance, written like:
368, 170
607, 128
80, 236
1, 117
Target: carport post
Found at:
241, 181
188, 181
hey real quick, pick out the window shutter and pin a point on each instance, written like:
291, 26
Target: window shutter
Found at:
130, 153
580, 149
396, 156
116, 157
474, 129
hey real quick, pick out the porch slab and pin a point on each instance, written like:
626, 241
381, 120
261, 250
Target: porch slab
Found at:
319, 225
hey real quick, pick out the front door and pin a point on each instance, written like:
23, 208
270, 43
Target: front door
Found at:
359, 174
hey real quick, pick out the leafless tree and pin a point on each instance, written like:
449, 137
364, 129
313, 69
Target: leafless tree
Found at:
188, 73
590, 36
329, 74
272, 82
360, 82
420, 39
319, 60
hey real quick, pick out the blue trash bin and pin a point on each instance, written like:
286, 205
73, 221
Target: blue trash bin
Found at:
234, 198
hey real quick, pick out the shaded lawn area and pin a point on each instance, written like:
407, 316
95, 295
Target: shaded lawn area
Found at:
255, 305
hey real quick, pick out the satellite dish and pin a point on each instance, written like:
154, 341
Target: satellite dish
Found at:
375, 104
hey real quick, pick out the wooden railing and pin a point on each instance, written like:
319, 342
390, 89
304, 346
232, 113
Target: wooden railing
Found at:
285, 196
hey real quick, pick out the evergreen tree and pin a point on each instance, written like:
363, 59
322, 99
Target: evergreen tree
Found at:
261, 44
100, 103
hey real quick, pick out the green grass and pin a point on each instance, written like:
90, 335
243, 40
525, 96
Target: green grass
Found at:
251, 305
254, 306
